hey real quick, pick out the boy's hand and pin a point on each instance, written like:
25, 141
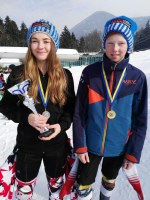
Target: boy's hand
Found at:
84, 158
127, 164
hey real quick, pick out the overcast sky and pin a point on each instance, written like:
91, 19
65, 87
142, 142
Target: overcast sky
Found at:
69, 12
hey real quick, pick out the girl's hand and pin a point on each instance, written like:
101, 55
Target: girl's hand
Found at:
37, 121
57, 129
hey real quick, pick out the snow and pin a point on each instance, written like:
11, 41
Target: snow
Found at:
123, 189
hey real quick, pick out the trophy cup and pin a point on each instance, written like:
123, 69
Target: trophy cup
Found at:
22, 89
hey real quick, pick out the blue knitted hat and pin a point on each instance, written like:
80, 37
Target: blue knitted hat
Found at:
122, 25
46, 27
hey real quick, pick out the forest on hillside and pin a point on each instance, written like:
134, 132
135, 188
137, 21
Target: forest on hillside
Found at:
12, 35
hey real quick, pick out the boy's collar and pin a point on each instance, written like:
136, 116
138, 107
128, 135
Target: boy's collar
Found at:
108, 64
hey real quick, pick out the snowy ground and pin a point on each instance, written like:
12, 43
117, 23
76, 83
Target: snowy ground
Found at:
123, 190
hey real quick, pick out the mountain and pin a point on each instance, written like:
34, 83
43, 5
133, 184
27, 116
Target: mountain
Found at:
97, 20
141, 21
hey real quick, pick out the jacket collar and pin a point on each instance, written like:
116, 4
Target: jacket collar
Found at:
110, 66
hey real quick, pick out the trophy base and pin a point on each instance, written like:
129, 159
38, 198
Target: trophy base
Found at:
47, 133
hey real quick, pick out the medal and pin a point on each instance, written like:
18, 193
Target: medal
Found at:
44, 97
46, 114
111, 114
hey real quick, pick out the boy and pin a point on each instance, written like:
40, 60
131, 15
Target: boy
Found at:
110, 119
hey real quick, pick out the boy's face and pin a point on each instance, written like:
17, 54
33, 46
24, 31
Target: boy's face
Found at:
116, 47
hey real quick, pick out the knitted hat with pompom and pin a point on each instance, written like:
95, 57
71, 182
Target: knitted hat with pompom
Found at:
122, 25
46, 27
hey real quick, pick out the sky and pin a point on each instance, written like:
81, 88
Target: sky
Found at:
123, 190
68, 12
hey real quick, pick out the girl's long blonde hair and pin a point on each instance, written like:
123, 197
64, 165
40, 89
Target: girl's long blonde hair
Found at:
58, 79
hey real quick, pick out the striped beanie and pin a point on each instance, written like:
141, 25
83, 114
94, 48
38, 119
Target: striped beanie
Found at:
122, 25
46, 27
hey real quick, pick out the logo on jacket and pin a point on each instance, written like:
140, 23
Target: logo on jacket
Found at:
127, 82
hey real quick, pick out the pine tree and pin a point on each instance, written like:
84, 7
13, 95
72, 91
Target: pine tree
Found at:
91, 43
1, 32
142, 38
65, 39
74, 41
81, 47
22, 35
147, 29
12, 32
1, 26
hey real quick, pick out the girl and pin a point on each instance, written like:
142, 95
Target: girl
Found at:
52, 89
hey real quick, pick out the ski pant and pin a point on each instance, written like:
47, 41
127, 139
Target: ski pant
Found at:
27, 168
87, 174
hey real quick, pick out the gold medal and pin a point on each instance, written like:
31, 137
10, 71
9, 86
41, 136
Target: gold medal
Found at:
46, 114
111, 114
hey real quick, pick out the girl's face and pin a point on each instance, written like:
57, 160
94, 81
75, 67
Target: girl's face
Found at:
40, 46
116, 47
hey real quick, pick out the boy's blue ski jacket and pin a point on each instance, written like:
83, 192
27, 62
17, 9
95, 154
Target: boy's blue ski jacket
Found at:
93, 131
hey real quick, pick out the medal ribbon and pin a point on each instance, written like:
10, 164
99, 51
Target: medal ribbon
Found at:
110, 97
114, 96
43, 96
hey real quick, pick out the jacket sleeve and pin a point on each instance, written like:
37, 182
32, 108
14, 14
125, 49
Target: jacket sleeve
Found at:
139, 123
80, 115
11, 106
68, 109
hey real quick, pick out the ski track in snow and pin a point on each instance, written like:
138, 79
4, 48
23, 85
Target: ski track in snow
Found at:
123, 190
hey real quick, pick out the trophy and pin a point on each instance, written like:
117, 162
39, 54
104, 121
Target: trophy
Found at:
22, 89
